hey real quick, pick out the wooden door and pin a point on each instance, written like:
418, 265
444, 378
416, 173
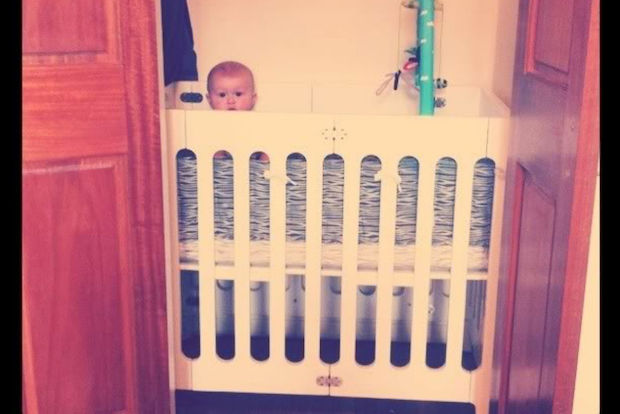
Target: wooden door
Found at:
93, 286
551, 176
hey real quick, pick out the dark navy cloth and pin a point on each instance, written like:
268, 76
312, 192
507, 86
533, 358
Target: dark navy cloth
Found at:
178, 41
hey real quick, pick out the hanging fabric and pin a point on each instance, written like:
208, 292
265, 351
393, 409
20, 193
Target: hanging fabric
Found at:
178, 42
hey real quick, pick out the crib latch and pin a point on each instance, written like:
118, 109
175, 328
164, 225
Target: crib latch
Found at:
380, 175
322, 381
328, 381
268, 176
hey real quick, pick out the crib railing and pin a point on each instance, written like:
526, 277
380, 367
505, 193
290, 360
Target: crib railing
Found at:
466, 141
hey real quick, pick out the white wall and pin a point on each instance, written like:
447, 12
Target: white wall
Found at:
349, 41
505, 42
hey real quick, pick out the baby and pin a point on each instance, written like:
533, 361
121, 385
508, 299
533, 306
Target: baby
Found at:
230, 87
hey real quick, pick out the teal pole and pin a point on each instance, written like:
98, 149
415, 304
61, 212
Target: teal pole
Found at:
426, 42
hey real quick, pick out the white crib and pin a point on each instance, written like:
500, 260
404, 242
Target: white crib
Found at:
363, 300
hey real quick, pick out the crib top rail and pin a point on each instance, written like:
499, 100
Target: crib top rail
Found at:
385, 136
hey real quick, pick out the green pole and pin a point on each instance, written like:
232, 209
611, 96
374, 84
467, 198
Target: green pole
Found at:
426, 42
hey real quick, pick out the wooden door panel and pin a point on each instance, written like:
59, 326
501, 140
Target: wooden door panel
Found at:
92, 170
93, 292
549, 30
551, 175
69, 31
64, 26
73, 111
533, 278
542, 140
553, 30
75, 235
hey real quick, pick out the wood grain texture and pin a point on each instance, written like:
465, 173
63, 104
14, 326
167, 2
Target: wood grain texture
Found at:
86, 101
555, 139
553, 33
586, 161
548, 40
505, 313
73, 111
75, 265
66, 31
146, 200
52, 26
533, 280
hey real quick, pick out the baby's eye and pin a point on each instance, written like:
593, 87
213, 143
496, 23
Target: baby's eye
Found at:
238, 94
221, 94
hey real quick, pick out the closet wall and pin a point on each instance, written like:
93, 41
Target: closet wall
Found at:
353, 41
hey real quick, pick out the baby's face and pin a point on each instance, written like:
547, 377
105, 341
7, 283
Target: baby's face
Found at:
232, 92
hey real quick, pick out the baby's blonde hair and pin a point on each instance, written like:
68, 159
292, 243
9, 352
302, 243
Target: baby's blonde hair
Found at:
229, 68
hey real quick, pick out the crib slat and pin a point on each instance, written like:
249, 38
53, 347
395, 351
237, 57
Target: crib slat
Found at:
497, 149
424, 234
460, 243
314, 179
206, 259
176, 130
349, 254
277, 237
241, 202
387, 230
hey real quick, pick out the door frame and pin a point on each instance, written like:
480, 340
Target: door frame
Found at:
582, 119
141, 73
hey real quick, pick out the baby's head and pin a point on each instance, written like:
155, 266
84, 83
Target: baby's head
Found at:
230, 86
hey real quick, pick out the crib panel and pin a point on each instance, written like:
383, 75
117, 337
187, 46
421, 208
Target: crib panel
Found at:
390, 139
497, 150
241, 274
175, 131
460, 246
314, 185
385, 283
405, 383
295, 377
350, 255
396, 143
206, 260
265, 377
277, 205
425, 219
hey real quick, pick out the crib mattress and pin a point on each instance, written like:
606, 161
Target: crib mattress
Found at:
331, 256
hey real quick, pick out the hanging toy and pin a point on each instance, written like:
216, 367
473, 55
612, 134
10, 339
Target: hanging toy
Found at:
438, 83
441, 83
417, 71
395, 77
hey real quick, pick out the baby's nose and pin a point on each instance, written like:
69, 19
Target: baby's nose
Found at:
231, 98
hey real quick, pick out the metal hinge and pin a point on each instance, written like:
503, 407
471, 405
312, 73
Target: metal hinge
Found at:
328, 381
